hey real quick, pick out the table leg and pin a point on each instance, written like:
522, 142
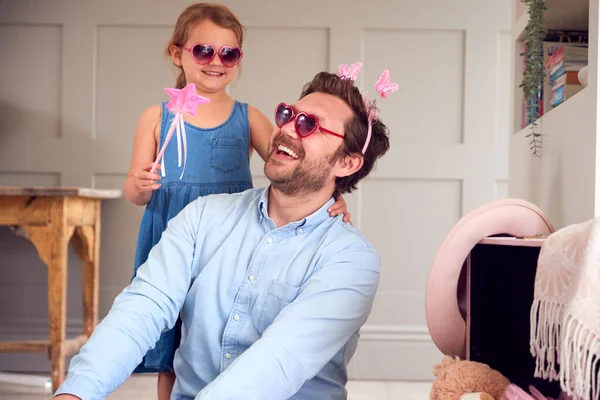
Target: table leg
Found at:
86, 243
51, 241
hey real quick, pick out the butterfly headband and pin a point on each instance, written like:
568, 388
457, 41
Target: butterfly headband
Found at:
383, 86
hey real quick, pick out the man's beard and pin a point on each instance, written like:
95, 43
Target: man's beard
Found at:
306, 178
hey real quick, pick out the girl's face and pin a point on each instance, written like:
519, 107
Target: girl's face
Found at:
214, 76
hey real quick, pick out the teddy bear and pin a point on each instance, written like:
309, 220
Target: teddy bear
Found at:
458, 379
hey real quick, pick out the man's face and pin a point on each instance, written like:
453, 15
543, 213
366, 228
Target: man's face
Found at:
303, 165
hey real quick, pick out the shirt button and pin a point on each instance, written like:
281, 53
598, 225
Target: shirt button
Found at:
236, 317
251, 277
300, 230
269, 240
228, 356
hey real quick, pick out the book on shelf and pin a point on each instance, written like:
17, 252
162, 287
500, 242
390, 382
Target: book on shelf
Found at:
562, 67
564, 54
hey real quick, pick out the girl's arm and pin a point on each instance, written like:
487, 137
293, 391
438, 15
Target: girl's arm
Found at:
140, 183
261, 130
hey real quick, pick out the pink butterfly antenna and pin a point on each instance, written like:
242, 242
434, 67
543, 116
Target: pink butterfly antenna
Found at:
384, 87
349, 72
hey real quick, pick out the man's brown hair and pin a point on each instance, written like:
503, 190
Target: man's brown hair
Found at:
355, 128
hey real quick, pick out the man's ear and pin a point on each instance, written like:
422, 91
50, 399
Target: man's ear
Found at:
349, 165
175, 54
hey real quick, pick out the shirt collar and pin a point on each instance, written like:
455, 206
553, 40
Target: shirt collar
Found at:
308, 222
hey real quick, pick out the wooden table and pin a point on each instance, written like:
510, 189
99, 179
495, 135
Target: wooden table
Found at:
50, 218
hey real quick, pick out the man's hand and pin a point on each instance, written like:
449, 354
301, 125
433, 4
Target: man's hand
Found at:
66, 397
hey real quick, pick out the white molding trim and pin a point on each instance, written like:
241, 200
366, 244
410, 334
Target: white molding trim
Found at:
32, 381
369, 333
395, 333
36, 327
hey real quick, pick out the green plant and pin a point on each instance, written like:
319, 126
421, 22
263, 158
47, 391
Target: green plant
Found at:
533, 76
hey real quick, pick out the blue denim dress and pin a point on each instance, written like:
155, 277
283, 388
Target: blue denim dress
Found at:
218, 161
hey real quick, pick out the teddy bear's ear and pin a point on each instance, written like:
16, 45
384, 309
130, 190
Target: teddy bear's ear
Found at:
446, 361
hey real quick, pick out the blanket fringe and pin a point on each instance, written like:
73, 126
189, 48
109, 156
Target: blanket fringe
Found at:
565, 353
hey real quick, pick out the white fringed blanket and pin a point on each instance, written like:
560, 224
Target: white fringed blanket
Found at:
565, 315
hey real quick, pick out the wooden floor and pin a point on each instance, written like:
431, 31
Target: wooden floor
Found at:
144, 388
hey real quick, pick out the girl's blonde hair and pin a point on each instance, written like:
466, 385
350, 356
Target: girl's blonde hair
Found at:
192, 15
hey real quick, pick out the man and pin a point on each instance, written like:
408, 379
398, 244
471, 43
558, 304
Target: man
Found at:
271, 290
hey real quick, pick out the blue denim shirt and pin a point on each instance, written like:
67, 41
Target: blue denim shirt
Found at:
268, 313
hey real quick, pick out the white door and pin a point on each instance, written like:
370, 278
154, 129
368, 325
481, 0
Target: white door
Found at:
80, 73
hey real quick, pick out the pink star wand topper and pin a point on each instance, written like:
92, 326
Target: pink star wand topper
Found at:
183, 101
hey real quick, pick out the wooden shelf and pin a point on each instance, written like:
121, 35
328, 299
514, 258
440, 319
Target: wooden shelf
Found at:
518, 31
570, 15
561, 112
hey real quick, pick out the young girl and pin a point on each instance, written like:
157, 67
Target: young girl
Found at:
206, 48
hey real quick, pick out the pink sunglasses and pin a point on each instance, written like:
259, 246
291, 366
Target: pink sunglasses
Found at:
205, 53
305, 123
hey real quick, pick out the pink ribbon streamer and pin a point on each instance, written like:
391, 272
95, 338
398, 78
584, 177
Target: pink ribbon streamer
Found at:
183, 101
